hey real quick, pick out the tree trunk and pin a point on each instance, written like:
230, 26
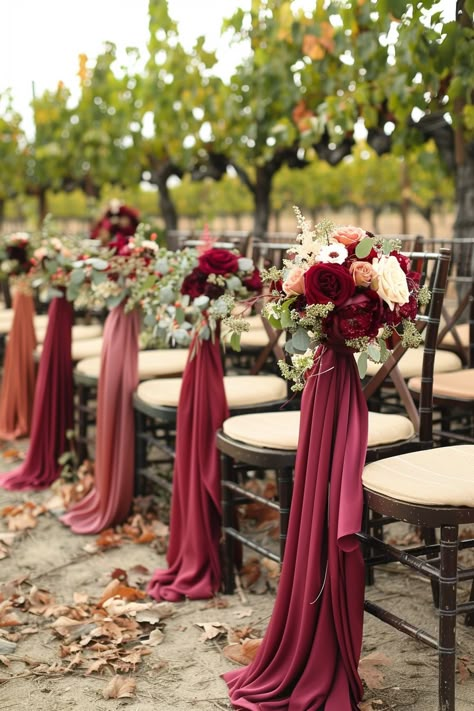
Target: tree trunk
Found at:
161, 171
42, 205
464, 224
2, 212
405, 201
262, 194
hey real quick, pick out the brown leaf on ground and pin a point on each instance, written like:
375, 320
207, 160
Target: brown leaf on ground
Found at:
369, 672
242, 653
109, 539
12, 454
372, 705
217, 603
156, 637
117, 589
211, 629
119, 574
250, 572
464, 668
4, 552
120, 687
238, 634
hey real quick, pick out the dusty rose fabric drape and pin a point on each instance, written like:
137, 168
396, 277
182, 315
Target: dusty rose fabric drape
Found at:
309, 656
52, 406
193, 552
18, 384
109, 501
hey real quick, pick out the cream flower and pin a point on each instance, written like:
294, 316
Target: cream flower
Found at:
391, 282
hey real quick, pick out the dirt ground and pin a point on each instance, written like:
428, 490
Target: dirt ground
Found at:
165, 657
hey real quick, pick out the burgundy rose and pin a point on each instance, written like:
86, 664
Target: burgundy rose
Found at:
194, 284
218, 261
212, 290
253, 282
361, 315
328, 282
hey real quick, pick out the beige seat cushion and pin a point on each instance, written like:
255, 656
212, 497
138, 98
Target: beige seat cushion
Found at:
411, 362
6, 320
272, 430
151, 364
462, 331
443, 476
279, 430
458, 385
80, 332
240, 390
87, 348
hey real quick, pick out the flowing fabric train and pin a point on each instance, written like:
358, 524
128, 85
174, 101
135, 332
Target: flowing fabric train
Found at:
18, 384
109, 501
310, 652
52, 406
193, 552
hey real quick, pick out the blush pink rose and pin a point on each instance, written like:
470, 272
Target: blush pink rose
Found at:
348, 234
363, 273
294, 282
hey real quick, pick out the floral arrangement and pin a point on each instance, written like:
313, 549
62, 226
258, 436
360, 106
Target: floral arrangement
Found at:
116, 226
16, 252
201, 297
343, 286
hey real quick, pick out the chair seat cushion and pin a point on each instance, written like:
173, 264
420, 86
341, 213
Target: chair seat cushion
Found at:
151, 364
6, 319
80, 332
411, 362
458, 385
442, 476
280, 430
272, 430
462, 330
240, 390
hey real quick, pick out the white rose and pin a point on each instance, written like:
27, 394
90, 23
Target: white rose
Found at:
391, 281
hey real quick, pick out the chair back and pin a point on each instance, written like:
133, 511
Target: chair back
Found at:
434, 269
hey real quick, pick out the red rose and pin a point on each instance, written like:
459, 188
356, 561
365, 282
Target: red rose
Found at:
194, 284
361, 315
254, 281
328, 282
218, 261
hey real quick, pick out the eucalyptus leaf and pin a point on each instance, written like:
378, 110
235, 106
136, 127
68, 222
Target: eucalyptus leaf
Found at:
72, 292
374, 353
77, 276
97, 263
166, 295
98, 278
205, 333
386, 246
114, 301
149, 320
362, 365
179, 315
235, 342
201, 302
364, 247
51, 265
301, 340
289, 347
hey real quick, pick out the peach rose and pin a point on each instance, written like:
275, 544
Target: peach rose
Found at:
363, 273
391, 281
348, 234
294, 282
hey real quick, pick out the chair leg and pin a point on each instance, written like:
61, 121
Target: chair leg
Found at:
447, 616
83, 421
229, 520
469, 619
140, 452
429, 537
285, 491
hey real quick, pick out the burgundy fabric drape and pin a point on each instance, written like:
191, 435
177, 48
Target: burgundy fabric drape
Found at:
18, 384
309, 655
193, 552
52, 406
109, 501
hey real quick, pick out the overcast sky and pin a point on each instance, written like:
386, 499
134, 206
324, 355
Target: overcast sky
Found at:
40, 40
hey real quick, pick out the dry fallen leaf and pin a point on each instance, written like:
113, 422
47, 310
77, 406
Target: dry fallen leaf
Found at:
369, 672
370, 705
156, 637
243, 653
119, 687
211, 629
